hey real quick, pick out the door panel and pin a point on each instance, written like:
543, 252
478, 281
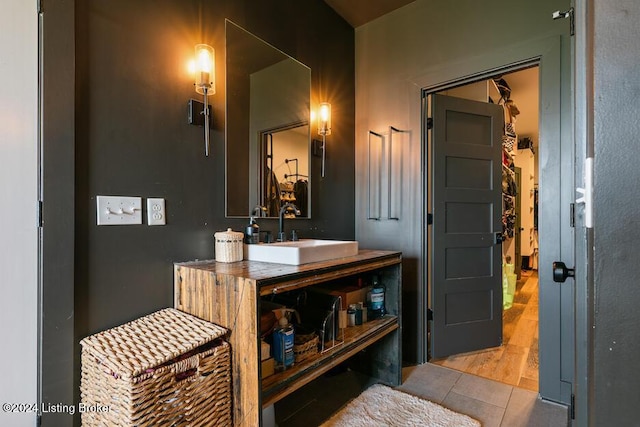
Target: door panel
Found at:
468, 127
478, 173
466, 291
464, 217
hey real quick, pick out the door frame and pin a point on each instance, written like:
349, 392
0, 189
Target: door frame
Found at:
557, 339
58, 344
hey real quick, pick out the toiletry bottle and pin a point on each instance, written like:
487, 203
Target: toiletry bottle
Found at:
376, 302
351, 315
283, 339
363, 309
252, 233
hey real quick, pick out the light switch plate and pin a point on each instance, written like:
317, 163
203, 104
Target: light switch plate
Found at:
119, 210
156, 214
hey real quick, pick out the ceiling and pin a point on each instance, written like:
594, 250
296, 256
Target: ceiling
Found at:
359, 12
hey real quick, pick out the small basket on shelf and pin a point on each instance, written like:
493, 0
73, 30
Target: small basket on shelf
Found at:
305, 346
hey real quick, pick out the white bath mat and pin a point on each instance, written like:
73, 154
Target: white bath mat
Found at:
382, 406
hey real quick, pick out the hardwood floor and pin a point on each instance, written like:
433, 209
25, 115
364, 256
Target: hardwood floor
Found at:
516, 361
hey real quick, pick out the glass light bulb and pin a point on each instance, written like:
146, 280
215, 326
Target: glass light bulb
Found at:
204, 61
325, 111
205, 68
324, 119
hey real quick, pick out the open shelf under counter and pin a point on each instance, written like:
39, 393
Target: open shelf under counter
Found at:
229, 294
356, 339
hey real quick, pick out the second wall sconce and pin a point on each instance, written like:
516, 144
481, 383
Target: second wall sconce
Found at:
324, 129
205, 83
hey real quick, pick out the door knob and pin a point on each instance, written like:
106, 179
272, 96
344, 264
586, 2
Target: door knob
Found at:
561, 272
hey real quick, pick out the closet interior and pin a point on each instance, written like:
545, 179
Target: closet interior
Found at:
515, 362
285, 176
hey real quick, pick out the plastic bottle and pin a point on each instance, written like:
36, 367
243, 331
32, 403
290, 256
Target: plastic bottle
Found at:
351, 315
252, 233
283, 340
358, 314
376, 299
364, 312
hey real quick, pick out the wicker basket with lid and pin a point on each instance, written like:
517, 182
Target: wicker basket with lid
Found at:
228, 245
167, 368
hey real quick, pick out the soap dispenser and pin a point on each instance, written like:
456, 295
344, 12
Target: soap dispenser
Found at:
252, 232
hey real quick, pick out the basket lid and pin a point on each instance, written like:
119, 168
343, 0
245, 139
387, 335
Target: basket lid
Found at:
229, 235
134, 347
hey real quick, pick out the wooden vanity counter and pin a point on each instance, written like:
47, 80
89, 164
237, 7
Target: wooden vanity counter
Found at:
228, 294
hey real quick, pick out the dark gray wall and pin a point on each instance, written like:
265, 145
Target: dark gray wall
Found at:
616, 310
132, 138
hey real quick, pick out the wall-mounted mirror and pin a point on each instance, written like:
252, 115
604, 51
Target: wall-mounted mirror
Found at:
267, 127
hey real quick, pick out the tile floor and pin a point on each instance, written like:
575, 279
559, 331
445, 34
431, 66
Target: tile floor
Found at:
490, 402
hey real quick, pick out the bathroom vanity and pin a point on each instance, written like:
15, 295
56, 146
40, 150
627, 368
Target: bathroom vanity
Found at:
230, 295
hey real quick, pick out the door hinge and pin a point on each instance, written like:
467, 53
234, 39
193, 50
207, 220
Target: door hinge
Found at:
40, 6
573, 406
39, 214
572, 215
429, 123
567, 14
429, 314
38, 420
429, 218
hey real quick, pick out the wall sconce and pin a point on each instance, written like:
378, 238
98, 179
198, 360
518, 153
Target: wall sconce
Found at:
324, 129
205, 83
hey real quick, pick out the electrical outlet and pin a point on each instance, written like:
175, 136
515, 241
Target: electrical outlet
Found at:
156, 213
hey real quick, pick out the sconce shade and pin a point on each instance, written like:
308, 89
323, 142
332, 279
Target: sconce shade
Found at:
324, 119
205, 82
205, 69
324, 129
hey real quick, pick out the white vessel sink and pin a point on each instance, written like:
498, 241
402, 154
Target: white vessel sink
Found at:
300, 252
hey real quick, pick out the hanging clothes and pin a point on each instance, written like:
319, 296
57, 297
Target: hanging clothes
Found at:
300, 190
509, 193
272, 193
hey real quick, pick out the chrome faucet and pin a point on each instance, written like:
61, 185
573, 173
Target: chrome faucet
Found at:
282, 237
